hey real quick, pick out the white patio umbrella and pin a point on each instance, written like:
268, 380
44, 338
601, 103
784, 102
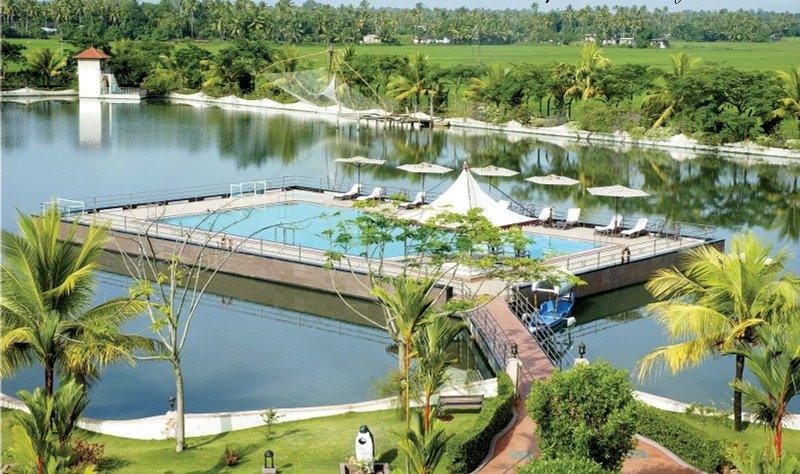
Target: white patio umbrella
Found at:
425, 168
553, 180
494, 172
358, 162
617, 191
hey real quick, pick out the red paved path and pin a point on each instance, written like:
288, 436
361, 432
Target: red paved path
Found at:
519, 444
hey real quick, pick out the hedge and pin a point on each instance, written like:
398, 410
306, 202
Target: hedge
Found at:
567, 465
689, 443
468, 448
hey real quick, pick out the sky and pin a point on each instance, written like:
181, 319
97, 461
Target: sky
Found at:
772, 5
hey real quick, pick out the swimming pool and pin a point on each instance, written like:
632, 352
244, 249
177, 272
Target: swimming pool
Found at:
304, 223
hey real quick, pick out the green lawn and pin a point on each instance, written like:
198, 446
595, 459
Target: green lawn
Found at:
721, 429
316, 445
764, 56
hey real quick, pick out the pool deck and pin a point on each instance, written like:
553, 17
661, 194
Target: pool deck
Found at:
601, 267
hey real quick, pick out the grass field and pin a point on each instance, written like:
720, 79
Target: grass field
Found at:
303, 446
316, 445
758, 56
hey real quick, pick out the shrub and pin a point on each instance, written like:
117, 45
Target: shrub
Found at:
587, 411
85, 454
567, 465
689, 443
468, 448
599, 116
230, 457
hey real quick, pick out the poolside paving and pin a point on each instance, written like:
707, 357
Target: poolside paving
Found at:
519, 445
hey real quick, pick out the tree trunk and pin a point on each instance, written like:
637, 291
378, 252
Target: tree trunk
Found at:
737, 395
426, 420
779, 435
180, 407
48, 379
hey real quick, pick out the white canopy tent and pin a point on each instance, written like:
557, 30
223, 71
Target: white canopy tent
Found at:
466, 194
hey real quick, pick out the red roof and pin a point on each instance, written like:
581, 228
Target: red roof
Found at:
91, 53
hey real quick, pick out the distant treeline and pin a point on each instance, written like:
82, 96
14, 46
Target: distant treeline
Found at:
314, 22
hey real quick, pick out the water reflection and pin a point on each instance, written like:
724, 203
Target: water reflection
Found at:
157, 145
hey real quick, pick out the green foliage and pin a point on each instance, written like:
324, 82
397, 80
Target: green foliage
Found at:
468, 448
424, 448
761, 462
42, 435
587, 411
600, 116
85, 454
269, 417
687, 442
565, 465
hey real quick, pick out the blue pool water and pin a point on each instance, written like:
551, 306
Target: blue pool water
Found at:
304, 223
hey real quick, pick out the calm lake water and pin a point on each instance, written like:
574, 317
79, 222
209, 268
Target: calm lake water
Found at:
69, 150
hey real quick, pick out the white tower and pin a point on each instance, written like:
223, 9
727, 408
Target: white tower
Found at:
90, 75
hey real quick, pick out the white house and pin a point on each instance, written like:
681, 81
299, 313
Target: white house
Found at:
661, 43
371, 39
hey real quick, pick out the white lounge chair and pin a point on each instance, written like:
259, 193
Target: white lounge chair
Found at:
377, 193
573, 218
352, 194
545, 216
612, 226
418, 201
639, 229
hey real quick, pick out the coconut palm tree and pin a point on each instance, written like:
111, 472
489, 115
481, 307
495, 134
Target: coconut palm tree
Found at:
48, 285
775, 363
668, 99
413, 82
790, 104
41, 436
407, 303
434, 349
715, 299
583, 82
47, 64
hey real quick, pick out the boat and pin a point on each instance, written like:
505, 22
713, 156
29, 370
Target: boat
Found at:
554, 313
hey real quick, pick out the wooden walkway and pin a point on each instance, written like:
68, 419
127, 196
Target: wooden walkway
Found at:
519, 444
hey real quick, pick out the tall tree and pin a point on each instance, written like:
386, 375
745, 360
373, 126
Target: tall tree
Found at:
45, 299
715, 299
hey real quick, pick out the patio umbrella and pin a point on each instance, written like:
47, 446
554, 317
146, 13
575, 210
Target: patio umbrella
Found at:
617, 191
553, 180
358, 162
424, 168
494, 172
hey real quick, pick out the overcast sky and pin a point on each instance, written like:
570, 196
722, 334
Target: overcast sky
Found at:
773, 5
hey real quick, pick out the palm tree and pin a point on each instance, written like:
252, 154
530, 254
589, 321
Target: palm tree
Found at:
591, 61
407, 304
47, 64
42, 435
413, 82
434, 348
775, 363
668, 99
48, 284
716, 299
423, 449
790, 104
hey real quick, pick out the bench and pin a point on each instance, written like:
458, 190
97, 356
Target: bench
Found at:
460, 402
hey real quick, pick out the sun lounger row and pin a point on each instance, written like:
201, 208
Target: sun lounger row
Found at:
546, 217
613, 227
378, 194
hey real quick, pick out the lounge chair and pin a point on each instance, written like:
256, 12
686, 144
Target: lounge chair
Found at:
418, 201
573, 218
545, 216
377, 193
352, 194
612, 226
639, 229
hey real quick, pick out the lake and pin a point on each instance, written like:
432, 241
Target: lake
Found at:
69, 150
